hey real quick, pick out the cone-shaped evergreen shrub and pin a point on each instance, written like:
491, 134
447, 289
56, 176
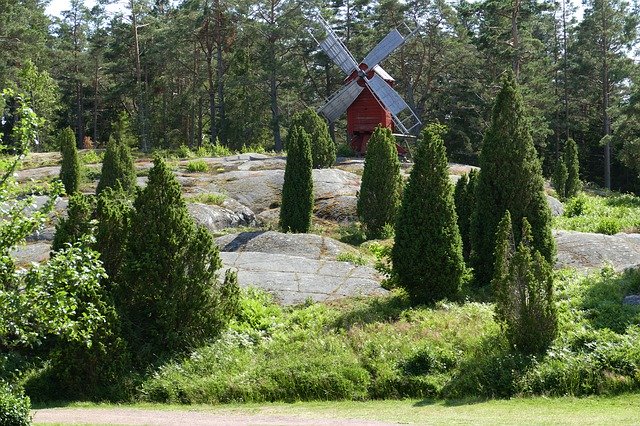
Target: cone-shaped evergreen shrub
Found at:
77, 223
297, 191
465, 201
573, 185
323, 150
70, 168
510, 179
169, 296
427, 252
559, 179
117, 167
523, 285
113, 212
381, 187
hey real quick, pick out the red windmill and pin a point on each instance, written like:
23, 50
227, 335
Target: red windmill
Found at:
368, 96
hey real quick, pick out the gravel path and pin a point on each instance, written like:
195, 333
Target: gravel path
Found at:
137, 416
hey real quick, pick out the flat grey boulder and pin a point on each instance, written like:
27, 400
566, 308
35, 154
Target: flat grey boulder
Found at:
342, 208
230, 214
632, 299
557, 208
309, 246
586, 251
33, 252
293, 280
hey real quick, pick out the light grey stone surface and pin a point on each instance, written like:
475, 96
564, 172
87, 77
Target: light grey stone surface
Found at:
293, 280
308, 246
557, 208
632, 299
33, 252
586, 251
342, 208
231, 214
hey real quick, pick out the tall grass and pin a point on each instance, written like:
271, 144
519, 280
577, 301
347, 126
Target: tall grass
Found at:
604, 215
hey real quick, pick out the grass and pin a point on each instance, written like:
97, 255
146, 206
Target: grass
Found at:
601, 214
211, 199
197, 166
566, 410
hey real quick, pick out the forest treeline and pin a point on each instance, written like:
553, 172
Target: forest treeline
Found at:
196, 71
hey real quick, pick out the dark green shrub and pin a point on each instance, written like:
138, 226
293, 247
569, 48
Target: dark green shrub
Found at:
573, 185
14, 407
297, 191
427, 252
117, 167
576, 206
70, 168
113, 213
559, 180
323, 150
76, 224
608, 226
523, 287
168, 296
465, 201
381, 187
510, 179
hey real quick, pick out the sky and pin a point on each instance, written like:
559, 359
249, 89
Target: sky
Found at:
56, 7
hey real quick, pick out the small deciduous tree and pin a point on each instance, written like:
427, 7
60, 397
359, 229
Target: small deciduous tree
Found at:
573, 185
381, 187
427, 251
297, 191
523, 287
70, 168
323, 150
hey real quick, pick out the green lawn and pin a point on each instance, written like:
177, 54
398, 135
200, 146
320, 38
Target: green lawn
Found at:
617, 410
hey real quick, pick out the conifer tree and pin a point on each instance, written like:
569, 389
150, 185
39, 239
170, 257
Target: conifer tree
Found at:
465, 201
114, 211
70, 168
381, 187
427, 252
297, 191
523, 285
117, 167
169, 295
510, 179
573, 185
559, 179
77, 223
323, 150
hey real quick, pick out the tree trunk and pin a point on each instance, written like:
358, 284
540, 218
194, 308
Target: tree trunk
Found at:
515, 38
605, 100
275, 111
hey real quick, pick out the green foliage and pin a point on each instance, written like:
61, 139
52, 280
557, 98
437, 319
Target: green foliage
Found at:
297, 191
523, 288
323, 150
113, 213
168, 296
14, 407
427, 252
347, 256
559, 179
70, 168
381, 187
90, 157
77, 223
573, 185
183, 151
117, 167
211, 199
197, 166
464, 197
601, 214
510, 179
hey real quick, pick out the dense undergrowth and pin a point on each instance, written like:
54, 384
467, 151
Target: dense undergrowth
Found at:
601, 214
382, 348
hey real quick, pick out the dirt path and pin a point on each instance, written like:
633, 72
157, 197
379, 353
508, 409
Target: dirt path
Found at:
136, 416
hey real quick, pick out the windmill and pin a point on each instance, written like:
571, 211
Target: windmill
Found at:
367, 96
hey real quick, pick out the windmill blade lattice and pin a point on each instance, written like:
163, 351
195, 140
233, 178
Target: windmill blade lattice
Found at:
391, 100
340, 101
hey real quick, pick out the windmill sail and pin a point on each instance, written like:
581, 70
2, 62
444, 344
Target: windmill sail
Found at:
340, 101
392, 102
383, 49
335, 50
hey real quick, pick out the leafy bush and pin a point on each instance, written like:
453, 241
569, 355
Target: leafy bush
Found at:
601, 214
90, 157
70, 168
608, 226
381, 187
197, 166
351, 257
183, 151
14, 407
297, 190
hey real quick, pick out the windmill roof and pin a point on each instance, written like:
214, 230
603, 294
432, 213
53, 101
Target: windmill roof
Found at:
382, 73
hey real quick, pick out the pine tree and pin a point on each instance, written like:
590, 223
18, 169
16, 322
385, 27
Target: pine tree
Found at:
381, 187
427, 252
573, 185
70, 168
169, 295
297, 191
559, 179
523, 285
323, 150
117, 167
510, 179
76, 224
465, 201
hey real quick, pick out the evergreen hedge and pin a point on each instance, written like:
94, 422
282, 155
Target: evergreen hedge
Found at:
297, 190
381, 187
510, 179
427, 251
70, 168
